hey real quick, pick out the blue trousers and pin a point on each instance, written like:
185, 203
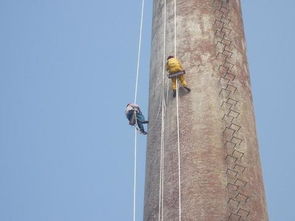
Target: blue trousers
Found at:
139, 119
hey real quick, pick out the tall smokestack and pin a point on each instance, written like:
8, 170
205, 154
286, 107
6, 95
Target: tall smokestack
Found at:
221, 177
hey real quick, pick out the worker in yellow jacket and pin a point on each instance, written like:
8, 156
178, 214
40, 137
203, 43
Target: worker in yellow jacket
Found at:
174, 67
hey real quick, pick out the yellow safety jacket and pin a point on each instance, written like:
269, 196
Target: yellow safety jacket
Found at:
173, 66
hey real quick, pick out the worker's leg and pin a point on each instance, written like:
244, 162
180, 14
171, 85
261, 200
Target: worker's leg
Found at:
173, 83
140, 117
140, 120
174, 86
141, 128
183, 82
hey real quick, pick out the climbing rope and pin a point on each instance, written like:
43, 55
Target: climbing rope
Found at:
139, 51
163, 105
135, 99
177, 115
134, 174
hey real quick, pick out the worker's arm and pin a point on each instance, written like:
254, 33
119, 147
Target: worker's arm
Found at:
136, 107
180, 65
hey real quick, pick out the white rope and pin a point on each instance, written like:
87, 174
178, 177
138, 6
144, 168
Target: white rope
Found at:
178, 154
177, 116
162, 149
135, 99
139, 51
162, 166
134, 173
175, 28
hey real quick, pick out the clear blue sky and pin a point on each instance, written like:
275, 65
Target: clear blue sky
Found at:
67, 70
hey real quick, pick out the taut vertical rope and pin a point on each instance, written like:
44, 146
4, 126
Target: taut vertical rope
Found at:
177, 115
139, 51
162, 151
135, 98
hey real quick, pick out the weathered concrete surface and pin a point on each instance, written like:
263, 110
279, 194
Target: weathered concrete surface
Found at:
220, 166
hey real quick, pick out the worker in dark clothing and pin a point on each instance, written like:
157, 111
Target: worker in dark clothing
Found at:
135, 117
174, 67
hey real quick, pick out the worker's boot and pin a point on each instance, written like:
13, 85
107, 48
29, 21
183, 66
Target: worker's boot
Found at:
174, 93
188, 89
143, 132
